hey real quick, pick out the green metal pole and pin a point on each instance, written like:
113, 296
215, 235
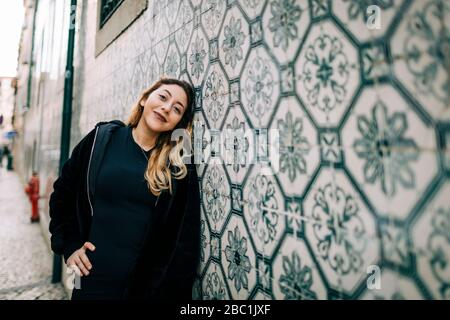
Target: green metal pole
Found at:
66, 118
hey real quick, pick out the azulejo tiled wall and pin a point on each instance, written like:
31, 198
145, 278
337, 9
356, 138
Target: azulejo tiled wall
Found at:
363, 116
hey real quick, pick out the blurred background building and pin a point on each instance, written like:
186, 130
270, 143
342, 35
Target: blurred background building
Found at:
7, 97
359, 95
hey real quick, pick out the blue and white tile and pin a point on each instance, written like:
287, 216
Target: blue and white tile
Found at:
201, 142
161, 50
234, 42
261, 295
263, 210
150, 28
285, 24
330, 146
184, 26
216, 195
420, 47
297, 148
214, 284
170, 12
295, 275
215, 247
238, 144
259, 86
172, 65
319, 8
340, 230
238, 259
327, 73
252, 8
197, 57
389, 150
396, 246
293, 214
213, 12
136, 85
375, 63
431, 241
215, 95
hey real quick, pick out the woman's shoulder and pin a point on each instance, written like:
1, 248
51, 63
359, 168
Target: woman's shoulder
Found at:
88, 139
105, 126
114, 123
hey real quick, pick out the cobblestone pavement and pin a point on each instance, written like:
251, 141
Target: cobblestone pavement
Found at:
25, 259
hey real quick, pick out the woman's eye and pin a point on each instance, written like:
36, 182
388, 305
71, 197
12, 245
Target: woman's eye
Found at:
162, 97
177, 110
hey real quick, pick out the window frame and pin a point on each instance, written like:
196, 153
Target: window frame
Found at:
119, 20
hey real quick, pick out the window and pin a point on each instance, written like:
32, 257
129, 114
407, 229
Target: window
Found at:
107, 9
113, 18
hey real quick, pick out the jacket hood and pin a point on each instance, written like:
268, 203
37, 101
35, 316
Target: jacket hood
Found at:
114, 122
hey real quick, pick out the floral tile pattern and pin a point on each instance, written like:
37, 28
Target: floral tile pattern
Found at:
237, 146
234, 42
259, 87
327, 73
239, 259
424, 42
197, 57
363, 119
215, 95
262, 211
213, 284
431, 237
212, 14
340, 229
295, 275
298, 156
216, 190
285, 23
384, 151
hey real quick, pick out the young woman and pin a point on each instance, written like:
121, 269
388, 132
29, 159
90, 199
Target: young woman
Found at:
125, 211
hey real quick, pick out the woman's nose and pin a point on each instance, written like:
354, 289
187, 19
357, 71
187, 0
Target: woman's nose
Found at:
165, 107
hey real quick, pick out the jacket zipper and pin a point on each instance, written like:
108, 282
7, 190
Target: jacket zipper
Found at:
89, 166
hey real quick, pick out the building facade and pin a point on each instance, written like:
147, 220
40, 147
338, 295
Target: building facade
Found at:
354, 207
7, 98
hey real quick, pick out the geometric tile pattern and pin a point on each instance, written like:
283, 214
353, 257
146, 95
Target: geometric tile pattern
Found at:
363, 118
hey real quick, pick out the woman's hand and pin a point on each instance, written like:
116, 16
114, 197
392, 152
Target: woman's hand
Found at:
79, 260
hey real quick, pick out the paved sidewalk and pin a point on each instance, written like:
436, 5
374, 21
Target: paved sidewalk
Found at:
25, 259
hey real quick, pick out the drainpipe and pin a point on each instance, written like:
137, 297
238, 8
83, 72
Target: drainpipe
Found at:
66, 118
31, 64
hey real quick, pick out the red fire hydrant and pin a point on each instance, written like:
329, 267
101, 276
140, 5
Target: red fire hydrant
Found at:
32, 190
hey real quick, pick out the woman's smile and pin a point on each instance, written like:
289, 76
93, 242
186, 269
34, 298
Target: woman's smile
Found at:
159, 116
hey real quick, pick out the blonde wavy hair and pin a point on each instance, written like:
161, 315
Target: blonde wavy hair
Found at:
166, 154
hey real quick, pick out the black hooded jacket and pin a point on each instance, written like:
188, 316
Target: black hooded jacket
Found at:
168, 260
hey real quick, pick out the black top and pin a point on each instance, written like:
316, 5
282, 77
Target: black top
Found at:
122, 210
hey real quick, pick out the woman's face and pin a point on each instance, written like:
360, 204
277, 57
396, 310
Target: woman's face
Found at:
164, 107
